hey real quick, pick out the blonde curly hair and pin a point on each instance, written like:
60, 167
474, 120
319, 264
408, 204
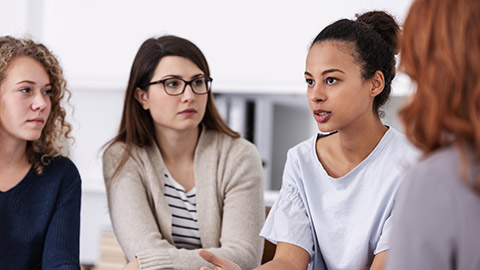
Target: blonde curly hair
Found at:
56, 130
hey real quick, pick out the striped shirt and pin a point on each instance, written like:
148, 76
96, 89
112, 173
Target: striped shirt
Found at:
183, 207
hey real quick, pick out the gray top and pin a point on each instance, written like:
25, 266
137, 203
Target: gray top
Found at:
437, 216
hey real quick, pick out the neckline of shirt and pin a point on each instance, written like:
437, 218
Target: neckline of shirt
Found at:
381, 144
169, 178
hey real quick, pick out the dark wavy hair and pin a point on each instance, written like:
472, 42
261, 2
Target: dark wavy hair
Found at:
374, 36
136, 126
56, 129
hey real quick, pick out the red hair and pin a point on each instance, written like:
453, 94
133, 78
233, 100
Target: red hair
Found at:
441, 53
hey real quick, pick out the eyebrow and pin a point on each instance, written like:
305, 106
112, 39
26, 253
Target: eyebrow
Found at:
180, 77
326, 71
32, 82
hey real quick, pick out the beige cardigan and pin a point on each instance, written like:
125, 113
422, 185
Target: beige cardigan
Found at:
230, 207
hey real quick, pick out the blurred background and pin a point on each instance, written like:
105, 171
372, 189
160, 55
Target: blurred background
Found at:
256, 51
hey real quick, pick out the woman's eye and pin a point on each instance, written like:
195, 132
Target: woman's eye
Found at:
330, 81
48, 92
198, 82
25, 90
172, 83
310, 82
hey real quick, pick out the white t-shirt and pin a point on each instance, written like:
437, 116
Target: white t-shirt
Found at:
341, 222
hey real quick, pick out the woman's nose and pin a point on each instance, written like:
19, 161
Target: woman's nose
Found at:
317, 94
40, 101
188, 94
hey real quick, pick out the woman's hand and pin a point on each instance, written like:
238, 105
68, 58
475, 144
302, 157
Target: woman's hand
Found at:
219, 262
132, 265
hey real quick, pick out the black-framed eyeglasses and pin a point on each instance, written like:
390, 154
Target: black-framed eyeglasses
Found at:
176, 86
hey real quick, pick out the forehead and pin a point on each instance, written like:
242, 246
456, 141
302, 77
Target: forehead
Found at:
331, 54
176, 65
25, 68
24, 64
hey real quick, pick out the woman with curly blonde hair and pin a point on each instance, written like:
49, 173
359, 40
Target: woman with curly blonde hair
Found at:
438, 207
40, 189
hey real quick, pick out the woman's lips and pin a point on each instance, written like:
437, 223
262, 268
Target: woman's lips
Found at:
321, 115
188, 112
38, 121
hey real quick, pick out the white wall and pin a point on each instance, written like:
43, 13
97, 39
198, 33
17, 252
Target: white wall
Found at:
14, 20
252, 47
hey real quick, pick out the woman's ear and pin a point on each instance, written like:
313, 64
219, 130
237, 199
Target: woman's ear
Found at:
378, 83
142, 97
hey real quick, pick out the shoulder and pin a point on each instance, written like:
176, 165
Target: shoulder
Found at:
112, 155
399, 142
436, 169
137, 159
301, 163
62, 169
303, 150
114, 152
398, 150
430, 186
432, 181
61, 165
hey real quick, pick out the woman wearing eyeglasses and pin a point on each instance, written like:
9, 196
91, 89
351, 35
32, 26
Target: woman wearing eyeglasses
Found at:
177, 177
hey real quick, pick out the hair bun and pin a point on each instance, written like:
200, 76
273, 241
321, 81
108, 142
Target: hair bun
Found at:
384, 24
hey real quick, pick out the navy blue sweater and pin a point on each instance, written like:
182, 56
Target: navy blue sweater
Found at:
40, 219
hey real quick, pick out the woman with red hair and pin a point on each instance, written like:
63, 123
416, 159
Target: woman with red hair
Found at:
438, 205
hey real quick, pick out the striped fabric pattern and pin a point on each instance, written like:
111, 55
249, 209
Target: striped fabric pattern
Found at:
183, 207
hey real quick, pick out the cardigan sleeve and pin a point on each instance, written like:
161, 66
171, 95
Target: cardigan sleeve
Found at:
243, 208
61, 247
132, 218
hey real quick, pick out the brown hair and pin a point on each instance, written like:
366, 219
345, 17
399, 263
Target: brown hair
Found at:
56, 128
136, 126
441, 53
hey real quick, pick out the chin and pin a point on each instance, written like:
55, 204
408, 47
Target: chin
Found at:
325, 128
33, 137
188, 127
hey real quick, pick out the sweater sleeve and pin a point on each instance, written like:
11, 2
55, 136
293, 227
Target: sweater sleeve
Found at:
243, 213
243, 209
130, 211
61, 248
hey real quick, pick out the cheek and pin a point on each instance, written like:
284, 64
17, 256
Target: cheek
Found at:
48, 110
357, 104
158, 114
161, 110
202, 101
12, 110
10, 115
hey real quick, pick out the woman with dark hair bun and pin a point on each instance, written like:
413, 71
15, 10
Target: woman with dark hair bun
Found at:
177, 177
335, 204
437, 213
